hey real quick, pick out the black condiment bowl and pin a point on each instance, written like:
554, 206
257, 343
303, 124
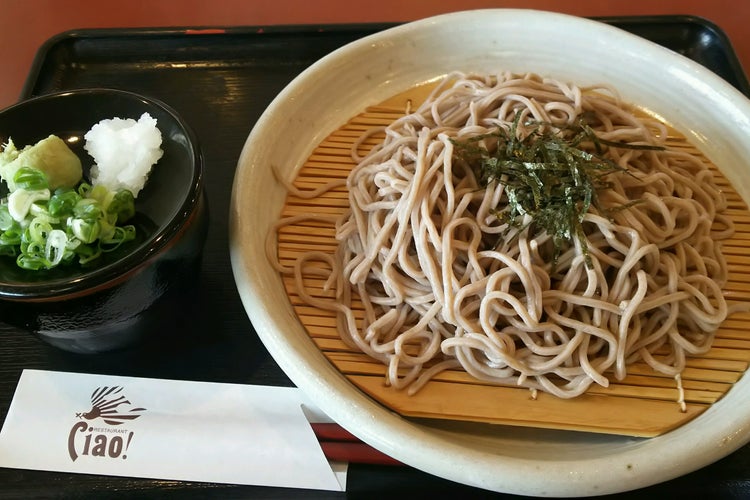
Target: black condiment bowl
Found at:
133, 291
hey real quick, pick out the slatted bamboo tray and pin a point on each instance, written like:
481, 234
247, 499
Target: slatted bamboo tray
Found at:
643, 404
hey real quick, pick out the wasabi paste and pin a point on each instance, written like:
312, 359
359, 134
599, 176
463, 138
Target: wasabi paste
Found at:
52, 156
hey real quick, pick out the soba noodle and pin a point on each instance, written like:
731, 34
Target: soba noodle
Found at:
448, 284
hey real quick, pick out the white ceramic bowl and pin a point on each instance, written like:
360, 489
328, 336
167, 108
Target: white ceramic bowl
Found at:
709, 111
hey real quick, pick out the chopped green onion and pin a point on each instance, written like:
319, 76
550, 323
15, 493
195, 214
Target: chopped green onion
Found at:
32, 261
120, 235
43, 230
57, 242
20, 202
38, 230
87, 209
122, 205
87, 253
62, 202
6, 221
85, 230
30, 179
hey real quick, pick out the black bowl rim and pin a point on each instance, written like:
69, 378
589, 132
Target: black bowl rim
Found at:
99, 278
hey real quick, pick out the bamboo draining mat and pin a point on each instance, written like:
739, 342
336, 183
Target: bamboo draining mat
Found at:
643, 404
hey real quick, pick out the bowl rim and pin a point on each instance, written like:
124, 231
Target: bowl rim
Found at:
385, 430
98, 278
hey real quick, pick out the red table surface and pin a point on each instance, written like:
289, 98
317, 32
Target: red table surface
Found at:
26, 24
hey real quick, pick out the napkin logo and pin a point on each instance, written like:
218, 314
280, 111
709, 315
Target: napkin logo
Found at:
106, 403
109, 405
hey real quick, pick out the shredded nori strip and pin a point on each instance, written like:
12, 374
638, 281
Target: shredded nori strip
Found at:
547, 175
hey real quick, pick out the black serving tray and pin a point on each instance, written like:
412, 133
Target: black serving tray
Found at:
221, 80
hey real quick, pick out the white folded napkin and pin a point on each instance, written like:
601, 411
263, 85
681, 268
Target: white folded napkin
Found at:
165, 429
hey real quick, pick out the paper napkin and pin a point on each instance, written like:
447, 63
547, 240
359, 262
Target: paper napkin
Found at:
164, 429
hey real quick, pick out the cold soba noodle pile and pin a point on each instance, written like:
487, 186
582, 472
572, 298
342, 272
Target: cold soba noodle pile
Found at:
531, 233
